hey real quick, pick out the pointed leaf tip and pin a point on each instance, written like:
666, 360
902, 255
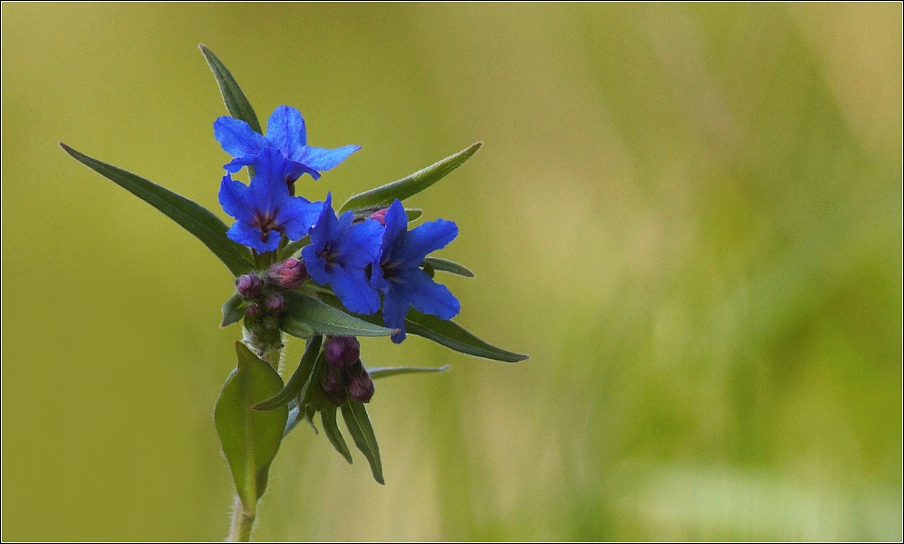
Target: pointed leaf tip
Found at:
413, 184
454, 336
194, 218
236, 102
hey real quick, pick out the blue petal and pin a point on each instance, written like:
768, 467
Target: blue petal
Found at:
361, 244
353, 290
253, 237
396, 223
320, 158
395, 308
285, 130
237, 138
426, 238
377, 279
426, 295
238, 163
345, 221
322, 232
315, 264
296, 170
268, 188
296, 216
234, 197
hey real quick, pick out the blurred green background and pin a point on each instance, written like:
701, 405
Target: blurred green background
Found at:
689, 216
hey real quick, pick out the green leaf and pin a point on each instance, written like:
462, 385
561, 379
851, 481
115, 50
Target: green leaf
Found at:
291, 248
413, 184
385, 372
250, 439
445, 332
300, 377
233, 310
364, 213
296, 328
307, 312
235, 99
332, 432
454, 336
305, 395
355, 416
189, 215
448, 266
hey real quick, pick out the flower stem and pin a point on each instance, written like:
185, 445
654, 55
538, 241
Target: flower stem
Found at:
242, 522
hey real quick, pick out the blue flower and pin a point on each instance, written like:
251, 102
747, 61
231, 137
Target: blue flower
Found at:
397, 273
285, 132
338, 253
264, 211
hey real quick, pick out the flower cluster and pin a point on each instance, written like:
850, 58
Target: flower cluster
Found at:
358, 260
309, 270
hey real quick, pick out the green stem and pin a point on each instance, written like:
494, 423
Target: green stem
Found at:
242, 522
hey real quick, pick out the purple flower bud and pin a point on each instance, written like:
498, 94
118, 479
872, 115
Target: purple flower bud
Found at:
275, 302
288, 274
380, 215
334, 384
249, 286
252, 311
341, 351
360, 386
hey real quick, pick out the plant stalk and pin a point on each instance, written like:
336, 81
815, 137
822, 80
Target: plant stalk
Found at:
242, 522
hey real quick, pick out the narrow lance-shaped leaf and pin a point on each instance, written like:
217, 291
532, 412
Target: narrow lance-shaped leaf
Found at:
411, 185
189, 215
355, 416
236, 102
385, 372
304, 396
250, 439
304, 311
454, 336
332, 432
447, 333
448, 266
298, 380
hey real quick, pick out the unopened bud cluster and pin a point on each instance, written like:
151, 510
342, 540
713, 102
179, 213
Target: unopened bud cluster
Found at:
265, 290
345, 376
264, 301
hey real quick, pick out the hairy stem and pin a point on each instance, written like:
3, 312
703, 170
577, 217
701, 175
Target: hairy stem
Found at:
242, 522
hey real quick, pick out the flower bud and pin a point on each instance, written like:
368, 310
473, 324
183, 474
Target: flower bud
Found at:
341, 351
275, 302
249, 286
288, 274
380, 215
252, 310
334, 385
360, 385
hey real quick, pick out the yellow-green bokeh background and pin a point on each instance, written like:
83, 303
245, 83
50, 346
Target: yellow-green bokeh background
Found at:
689, 216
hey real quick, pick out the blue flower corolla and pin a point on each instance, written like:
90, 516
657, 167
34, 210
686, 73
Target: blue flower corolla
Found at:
338, 254
285, 132
397, 273
264, 210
